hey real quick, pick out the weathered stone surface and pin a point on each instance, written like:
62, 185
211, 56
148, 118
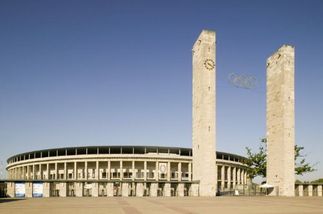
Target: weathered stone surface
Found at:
62, 189
78, 189
319, 190
29, 189
110, 189
153, 190
194, 190
167, 190
180, 190
11, 189
46, 190
125, 189
95, 189
203, 136
281, 121
139, 189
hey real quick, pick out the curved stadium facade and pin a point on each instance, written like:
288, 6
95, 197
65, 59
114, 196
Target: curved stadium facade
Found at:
115, 171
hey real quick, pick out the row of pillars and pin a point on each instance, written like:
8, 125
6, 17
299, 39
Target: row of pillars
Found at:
232, 174
30, 172
308, 190
79, 189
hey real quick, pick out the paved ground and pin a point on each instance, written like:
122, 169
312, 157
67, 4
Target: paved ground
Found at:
187, 205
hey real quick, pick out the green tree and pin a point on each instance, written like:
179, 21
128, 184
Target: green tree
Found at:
318, 181
257, 161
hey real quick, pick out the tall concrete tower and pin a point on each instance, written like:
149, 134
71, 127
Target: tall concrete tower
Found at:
281, 121
203, 136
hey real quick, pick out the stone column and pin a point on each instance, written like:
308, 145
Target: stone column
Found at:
204, 112
245, 177
46, 190
319, 190
234, 172
229, 177
180, 190
97, 171
168, 171
189, 171
40, 172
194, 190
153, 189
29, 189
62, 189
300, 190
11, 189
139, 190
109, 172
145, 170
23, 173
32, 171
95, 189
65, 171
110, 189
133, 170
125, 189
179, 171
121, 170
167, 190
17, 172
222, 177
280, 120
56, 171
238, 176
156, 172
75, 170
78, 189
86, 170
46, 172
28, 172
310, 190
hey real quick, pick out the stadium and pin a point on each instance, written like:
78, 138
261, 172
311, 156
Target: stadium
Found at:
107, 171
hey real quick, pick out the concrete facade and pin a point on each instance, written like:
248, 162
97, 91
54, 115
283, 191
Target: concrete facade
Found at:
77, 172
203, 113
281, 121
140, 190
46, 192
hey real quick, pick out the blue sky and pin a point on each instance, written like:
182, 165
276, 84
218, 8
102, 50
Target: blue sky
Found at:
78, 73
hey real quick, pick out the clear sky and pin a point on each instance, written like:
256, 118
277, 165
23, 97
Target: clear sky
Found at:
76, 73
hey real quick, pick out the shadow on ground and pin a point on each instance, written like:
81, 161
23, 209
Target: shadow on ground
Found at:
4, 200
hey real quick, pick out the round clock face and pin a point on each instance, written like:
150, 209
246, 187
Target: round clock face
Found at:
209, 64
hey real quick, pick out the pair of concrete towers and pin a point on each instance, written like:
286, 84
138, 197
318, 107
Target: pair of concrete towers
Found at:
280, 117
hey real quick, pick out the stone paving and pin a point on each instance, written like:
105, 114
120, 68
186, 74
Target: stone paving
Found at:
187, 205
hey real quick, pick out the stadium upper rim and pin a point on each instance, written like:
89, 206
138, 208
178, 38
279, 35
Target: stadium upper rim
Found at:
113, 149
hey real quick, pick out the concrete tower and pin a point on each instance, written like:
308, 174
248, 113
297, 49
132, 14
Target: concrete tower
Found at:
203, 136
281, 121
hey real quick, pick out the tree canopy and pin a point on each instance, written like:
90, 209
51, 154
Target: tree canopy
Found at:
257, 161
